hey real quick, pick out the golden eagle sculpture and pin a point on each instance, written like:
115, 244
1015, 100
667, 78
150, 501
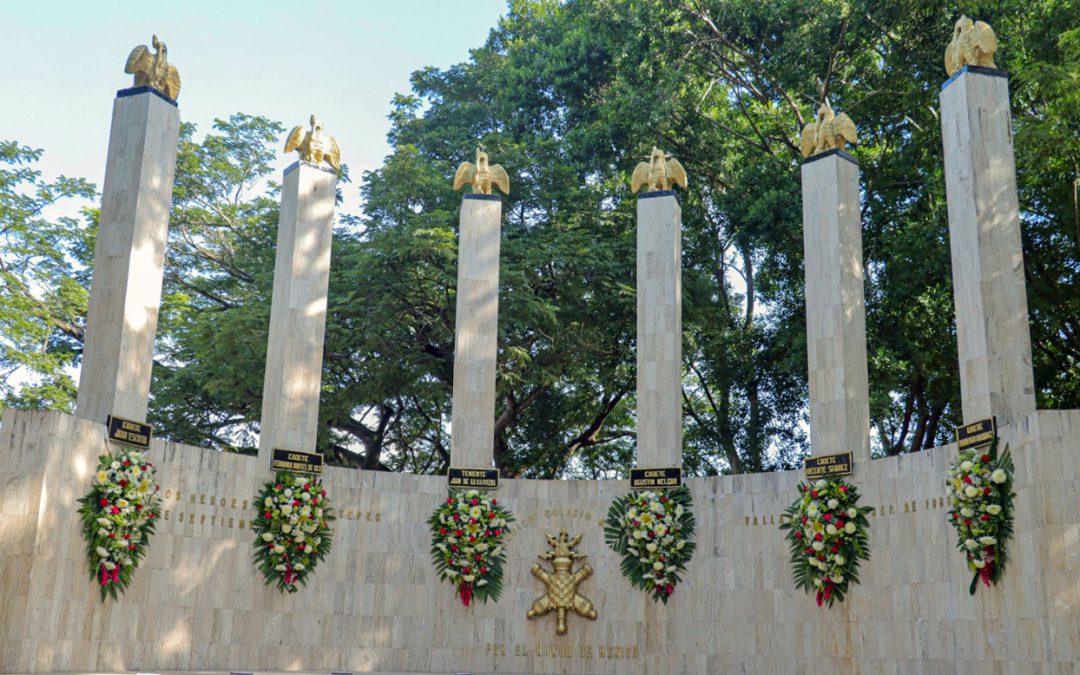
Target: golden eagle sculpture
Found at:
829, 132
314, 145
482, 175
661, 172
152, 69
973, 44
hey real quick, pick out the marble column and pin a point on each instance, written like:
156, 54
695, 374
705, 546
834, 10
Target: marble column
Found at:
659, 330
294, 350
994, 344
835, 306
129, 256
475, 332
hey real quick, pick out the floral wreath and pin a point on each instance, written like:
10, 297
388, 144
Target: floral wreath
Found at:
827, 533
467, 535
292, 530
119, 515
980, 483
653, 532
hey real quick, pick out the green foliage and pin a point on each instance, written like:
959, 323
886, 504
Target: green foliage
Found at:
663, 520
292, 529
42, 287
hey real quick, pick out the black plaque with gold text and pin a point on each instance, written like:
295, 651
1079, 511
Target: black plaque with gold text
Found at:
472, 479
663, 478
131, 433
976, 434
296, 460
828, 465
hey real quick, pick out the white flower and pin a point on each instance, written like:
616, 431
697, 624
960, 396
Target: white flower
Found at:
286, 509
468, 577
966, 512
658, 565
971, 491
852, 512
830, 529
638, 534
482, 582
318, 512
267, 536
299, 567
679, 544
971, 544
849, 527
307, 549
102, 553
306, 497
288, 492
999, 476
987, 541
965, 466
832, 504
820, 485
979, 564
268, 502
279, 549
838, 560
280, 568
817, 582
679, 510
838, 578
650, 547
109, 566
817, 545
104, 521
299, 537
115, 466
993, 509
286, 528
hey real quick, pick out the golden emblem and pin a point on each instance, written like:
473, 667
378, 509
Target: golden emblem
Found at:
828, 132
562, 584
482, 176
153, 69
314, 145
973, 44
661, 172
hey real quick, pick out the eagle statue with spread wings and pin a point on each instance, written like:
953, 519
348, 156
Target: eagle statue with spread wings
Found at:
661, 172
973, 44
152, 69
828, 132
482, 175
314, 145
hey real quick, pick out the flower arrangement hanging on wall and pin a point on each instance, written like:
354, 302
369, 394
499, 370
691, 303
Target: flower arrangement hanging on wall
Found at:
119, 515
980, 485
468, 532
654, 533
827, 534
292, 530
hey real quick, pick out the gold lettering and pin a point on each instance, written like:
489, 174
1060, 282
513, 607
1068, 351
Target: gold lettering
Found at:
167, 512
212, 519
755, 520
230, 523
180, 517
192, 499
202, 498
202, 519
168, 494
368, 514
241, 523
233, 503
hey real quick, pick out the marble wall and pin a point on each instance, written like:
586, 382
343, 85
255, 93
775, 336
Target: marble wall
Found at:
197, 602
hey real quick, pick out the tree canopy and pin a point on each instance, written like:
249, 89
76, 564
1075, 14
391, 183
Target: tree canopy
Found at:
569, 96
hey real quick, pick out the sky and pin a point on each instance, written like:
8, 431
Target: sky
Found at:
343, 61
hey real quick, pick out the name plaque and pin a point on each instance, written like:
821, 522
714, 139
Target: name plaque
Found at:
472, 479
662, 478
296, 460
131, 433
976, 434
828, 465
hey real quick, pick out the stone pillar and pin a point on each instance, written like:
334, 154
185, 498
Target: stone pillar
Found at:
984, 237
290, 409
476, 329
659, 330
128, 258
835, 306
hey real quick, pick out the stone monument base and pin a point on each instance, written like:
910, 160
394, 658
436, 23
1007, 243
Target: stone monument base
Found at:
375, 604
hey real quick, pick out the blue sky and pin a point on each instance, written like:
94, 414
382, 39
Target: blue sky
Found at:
64, 61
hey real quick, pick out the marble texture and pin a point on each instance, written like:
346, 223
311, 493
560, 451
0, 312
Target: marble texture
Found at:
375, 604
128, 257
476, 333
290, 409
835, 307
659, 331
993, 339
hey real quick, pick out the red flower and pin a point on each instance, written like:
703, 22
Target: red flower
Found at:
670, 589
103, 502
483, 570
663, 500
457, 533
114, 510
112, 535
986, 491
475, 501
814, 493
442, 530
834, 549
456, 517
985, 458
314, 502
138, 507
296, 502
449, 501
467, 570
277, 487
268, 514
472, 540
808, 550
817, 537
966, 521
828, 517
498, 532
307, 486
132, 547
798, 535
323, 493
984, 517
123, 483
127, 462
454, 547
491, 514
803, 520
477, 557
967, 479
494, 502
151, 514
843, 488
